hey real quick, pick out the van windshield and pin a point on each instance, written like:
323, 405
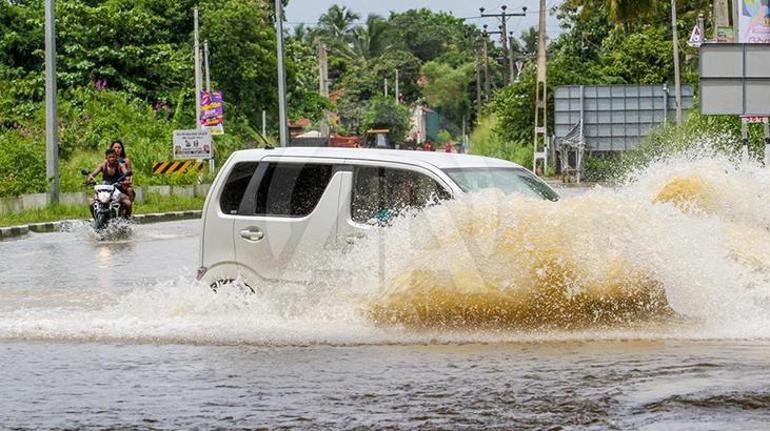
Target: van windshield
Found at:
509, 180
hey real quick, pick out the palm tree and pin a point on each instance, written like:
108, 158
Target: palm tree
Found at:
336, 24
368, 41
529, 42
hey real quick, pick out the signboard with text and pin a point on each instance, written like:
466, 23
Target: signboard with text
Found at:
754, 21
192, 145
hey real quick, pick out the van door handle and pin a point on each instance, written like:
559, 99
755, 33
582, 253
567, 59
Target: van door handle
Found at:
351, 239
252, 234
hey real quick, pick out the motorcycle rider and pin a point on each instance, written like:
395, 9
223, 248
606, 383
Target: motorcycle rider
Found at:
123, 159
111, 171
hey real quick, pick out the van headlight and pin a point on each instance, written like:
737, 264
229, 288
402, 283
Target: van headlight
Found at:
103, 197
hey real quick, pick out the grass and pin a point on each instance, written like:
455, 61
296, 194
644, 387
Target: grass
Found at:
153, 204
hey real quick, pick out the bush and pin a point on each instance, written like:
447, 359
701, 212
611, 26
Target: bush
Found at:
88, 121
485, 141
22, 164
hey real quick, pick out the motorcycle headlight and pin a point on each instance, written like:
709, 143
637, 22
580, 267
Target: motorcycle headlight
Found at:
103, 197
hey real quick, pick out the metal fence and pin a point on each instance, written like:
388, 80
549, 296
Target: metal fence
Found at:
614, 117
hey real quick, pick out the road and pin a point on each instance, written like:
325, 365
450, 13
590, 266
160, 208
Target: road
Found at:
118, 334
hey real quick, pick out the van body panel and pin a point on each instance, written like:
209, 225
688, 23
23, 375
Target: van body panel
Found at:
269, 248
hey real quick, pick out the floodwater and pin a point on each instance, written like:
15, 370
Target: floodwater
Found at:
644, 307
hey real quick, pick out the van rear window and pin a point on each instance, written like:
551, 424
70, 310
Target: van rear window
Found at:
292, 189
236, 185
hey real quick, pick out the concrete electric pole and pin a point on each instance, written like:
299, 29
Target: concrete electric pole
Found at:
677, 83
507, 54
282, 109
323, 84
721, 14
541, 119
51, 136
397, 90
206, 64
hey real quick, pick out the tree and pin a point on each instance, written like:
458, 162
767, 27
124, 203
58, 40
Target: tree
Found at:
367, 42
429, 35
384, 113
446, 89
243, 54
336, 25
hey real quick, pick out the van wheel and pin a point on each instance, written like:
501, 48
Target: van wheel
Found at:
223, 284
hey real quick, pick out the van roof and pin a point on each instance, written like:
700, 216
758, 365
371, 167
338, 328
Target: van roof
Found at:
440, 160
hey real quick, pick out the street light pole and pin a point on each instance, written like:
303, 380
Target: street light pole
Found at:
51, 138
198, 83
282, 114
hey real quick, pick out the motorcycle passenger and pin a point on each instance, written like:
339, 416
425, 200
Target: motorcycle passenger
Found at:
123, 159
111, 171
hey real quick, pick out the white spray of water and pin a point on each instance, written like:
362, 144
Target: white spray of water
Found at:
680, 251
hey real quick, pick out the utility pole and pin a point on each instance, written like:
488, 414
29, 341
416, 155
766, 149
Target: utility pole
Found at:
51, 137
677, 83
485, 60
323, 80
478, 78
212, 163
283, 122
721, 15
398, 100
198, 83
206, 64
541, 119
507, 55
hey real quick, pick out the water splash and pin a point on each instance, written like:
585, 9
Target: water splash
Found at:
682, 250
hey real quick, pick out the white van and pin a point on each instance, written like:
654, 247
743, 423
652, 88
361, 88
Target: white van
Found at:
269, 207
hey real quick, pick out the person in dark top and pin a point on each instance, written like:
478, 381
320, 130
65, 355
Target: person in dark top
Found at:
123, 159
111, 171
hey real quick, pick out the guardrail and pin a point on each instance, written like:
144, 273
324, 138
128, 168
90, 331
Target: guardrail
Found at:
12, 205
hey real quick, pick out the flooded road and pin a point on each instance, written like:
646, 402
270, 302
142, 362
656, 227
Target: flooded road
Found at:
118, 335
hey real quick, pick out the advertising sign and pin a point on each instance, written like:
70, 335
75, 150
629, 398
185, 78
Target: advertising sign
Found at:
754, 21
212, 112
192, 145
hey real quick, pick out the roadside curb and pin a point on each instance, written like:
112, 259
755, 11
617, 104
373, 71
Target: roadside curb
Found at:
56, 226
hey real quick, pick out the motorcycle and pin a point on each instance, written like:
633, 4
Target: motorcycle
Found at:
107, 204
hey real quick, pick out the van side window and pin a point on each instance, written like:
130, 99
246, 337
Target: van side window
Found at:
292, 189
380, 194
235, 186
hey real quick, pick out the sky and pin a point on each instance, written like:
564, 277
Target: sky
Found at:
308, 11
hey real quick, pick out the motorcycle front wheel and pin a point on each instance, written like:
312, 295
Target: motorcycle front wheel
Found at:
101, 220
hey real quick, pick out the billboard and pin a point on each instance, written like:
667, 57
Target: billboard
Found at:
735, 79
614, 117
192, 145
212, 114
754, 21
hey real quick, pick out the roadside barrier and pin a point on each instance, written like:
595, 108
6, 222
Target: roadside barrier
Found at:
178, 166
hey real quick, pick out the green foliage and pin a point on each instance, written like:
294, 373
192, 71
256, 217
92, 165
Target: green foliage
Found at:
485, 141
429, 35
384, 113
22, 163
446, 88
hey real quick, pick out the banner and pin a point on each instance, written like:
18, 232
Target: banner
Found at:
754, 21
212, 112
